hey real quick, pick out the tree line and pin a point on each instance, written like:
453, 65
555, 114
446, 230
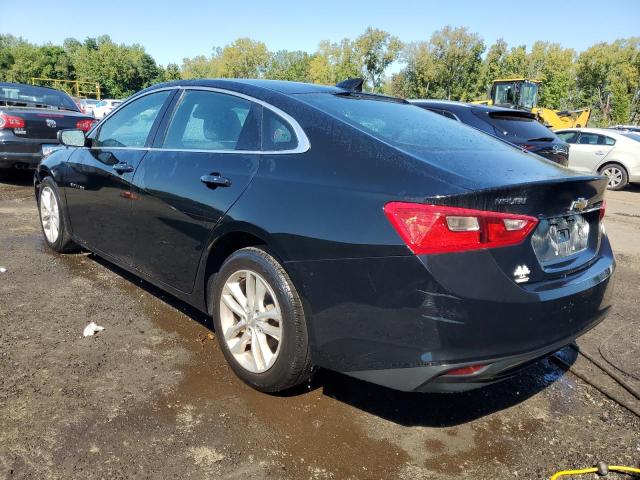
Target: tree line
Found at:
454, 63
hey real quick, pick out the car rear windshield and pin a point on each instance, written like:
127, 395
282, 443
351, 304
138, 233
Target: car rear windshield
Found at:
17, 95
511, 127
401, 124
632, 136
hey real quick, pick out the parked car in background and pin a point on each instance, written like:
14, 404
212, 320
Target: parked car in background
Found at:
105, 107
517, 127
30, 118
321, 226
87, 105
614, 153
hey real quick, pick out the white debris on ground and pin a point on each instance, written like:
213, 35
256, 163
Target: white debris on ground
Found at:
92, 329
3, 270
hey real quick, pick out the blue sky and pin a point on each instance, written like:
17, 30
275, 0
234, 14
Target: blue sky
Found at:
192, 28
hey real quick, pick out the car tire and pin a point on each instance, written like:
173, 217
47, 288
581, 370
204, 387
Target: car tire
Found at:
252, 351
618, 177
53, 220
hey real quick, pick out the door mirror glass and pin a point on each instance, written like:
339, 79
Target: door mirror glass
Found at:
71, 138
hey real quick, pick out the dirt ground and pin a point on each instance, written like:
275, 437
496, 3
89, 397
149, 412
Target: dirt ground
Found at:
151, 396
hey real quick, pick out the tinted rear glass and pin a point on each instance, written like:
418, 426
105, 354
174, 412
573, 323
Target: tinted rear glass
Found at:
632, 136
402, 124
512, 127
19, 95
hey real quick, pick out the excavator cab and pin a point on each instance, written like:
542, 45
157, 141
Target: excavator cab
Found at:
517, 93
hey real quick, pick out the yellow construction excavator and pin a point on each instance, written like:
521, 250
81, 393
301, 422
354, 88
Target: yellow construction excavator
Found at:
522, 94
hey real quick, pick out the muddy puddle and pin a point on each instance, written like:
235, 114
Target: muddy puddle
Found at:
334, 423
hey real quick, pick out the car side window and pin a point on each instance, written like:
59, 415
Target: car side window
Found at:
608, 140
205, 120
569, 137
130, 126
588, 139
277, 134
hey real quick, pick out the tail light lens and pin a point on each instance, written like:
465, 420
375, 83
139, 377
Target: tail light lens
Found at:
11, 121
85, 125
429, 229
470, 370
603, 207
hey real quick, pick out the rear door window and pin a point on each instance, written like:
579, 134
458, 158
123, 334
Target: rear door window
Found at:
595, 139
207, 120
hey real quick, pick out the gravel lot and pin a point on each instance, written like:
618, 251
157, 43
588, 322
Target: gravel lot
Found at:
151, 396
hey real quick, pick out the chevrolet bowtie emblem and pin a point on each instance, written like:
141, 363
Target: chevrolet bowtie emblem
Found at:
579, 205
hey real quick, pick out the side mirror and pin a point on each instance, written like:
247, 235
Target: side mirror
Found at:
72, 138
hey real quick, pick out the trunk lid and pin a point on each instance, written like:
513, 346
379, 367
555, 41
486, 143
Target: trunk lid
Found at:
567, 236
44, 123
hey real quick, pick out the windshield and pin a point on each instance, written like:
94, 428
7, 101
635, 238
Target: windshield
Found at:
18, 95
512, 127
401, 124
632, 136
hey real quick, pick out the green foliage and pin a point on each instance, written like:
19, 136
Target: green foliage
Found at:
453, 63
334, 62
377, 50
288, 65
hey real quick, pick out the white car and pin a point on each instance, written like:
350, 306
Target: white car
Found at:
87, 105
613, 153
104, 107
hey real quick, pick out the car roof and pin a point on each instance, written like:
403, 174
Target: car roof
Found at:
600, 131
14, 84
447, 104
254, 85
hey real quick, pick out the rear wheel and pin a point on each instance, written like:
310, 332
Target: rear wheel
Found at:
259, 321
52, 219
617, 175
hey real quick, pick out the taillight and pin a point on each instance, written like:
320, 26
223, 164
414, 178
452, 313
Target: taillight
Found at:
470, 370
603, 207
429, 229
85, 125
11, 121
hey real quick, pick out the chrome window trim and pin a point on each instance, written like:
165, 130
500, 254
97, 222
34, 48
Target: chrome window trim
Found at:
303, 141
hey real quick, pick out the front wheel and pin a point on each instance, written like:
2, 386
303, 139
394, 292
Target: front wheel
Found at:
259, 321
52, 219
617, 175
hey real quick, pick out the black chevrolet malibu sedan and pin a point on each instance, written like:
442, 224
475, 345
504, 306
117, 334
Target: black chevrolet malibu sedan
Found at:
323, 227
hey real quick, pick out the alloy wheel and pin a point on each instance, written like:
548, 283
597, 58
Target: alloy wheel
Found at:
251, 320
49, 214
614, 174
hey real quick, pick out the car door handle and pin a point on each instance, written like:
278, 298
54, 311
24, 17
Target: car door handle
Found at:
215, 180
599, 153
123, 167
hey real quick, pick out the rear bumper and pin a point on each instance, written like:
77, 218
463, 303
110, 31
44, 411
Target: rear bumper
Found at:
22, 152
390, 322
434, 378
